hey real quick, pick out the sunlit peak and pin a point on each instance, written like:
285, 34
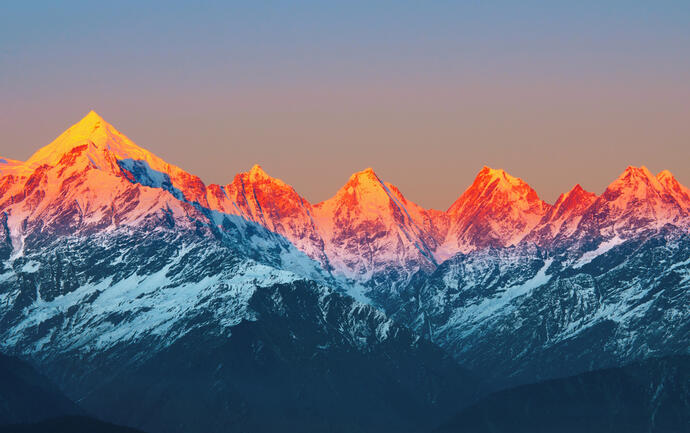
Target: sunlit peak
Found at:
88, 122
640, 171
367, 173
256, 170
665, 175
489, 175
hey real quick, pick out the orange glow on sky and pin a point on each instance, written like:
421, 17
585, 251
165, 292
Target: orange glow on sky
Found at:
426, 94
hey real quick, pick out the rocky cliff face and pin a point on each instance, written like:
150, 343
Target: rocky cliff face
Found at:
524, 313
497, 210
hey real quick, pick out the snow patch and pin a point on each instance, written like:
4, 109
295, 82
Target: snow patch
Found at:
31, 267
601, 249
477, 313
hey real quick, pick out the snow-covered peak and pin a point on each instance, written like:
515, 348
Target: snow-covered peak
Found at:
635, 202
364, 193
636, 180
256, 172
640, 185
367, 173
638, 192
570, 204
665, 176
91, 118
635, 183
255, 184
497, 187
94, 143
678, 191
497, 210
577, 197
258, 197
370, 229
562, 218
365, 179
489, 175
99, 135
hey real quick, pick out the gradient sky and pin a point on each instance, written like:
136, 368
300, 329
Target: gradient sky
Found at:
424, 93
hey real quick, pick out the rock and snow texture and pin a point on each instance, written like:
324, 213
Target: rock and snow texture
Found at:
470, 278
104, 243
176, 318
496, 210
105, 146
634, 202
368, 233
561, 220
679, 192
370, 229
87, 299
522, 313
260, 198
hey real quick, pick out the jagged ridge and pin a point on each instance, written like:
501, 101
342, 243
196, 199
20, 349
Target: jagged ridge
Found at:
368, 232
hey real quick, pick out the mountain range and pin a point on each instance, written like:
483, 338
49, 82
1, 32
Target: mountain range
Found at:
245, 307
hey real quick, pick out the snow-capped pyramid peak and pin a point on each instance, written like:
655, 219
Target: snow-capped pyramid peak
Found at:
635, 182
257, 171
92, 142
640, 172
563, 217
636, 201
497, 209
664, 175
258, 175
678, 191
367, 171
368, 229
489, 175
496, 187
362, 188
667, 179
92, 130
90, 120
577, 189
577, 195
364, 177
258, 197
